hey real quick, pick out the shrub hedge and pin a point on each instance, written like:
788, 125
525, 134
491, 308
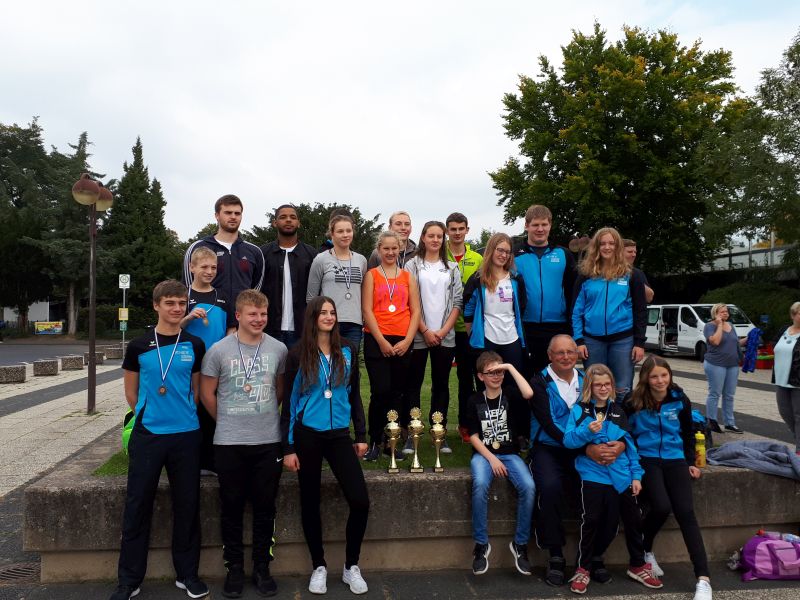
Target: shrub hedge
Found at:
757, 299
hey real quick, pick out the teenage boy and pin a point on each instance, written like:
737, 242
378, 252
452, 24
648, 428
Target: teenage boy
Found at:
468, 262
498, 423
210, 316
161, 373
629, 250
287, 262
549, 274
242, 379
240, 264
400, 223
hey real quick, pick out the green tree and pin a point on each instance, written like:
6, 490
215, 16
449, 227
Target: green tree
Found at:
482, 239
135, 236
613, 139
26, 177
314, 227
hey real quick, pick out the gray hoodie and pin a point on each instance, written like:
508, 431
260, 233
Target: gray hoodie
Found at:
455, 299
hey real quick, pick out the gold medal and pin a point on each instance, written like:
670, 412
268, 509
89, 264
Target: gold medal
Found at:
600, 417
496, 445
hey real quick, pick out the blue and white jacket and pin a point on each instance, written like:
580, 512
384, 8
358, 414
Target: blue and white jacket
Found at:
667, 433
474, 303
610, 309
549, 282
622, 471
549, 412
310, 408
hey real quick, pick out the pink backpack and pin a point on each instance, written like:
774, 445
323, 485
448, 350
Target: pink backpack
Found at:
767, 557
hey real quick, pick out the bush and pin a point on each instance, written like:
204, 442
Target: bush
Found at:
757, 299
106, 319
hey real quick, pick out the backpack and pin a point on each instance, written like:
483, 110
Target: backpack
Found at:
700, 423
765, 557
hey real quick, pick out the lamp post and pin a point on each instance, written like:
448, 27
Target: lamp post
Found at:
88, 192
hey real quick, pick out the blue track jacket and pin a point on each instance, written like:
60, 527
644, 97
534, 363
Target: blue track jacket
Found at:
474, 303
622, 471
609, 310
666, 433
549, 282
549, 412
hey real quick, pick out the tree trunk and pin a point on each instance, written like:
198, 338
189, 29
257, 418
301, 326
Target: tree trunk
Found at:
72, 311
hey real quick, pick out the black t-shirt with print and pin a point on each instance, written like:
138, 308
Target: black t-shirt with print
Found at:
503, 419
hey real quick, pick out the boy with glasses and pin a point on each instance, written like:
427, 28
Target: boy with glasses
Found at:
498, 421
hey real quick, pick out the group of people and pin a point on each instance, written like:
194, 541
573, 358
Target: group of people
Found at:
254, 367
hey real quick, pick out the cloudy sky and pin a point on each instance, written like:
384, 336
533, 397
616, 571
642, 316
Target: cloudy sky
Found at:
376, 104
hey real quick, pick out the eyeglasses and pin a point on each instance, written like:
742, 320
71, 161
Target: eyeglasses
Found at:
502, 252
494, 372
601, 385
563, 353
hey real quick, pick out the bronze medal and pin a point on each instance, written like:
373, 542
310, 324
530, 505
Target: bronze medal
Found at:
205, 321
247, 388
162, 390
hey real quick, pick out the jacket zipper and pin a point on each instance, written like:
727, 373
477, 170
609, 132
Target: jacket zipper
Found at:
541, 292
605, 319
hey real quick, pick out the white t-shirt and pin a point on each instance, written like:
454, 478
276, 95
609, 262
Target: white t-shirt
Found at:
498, 314
434, 279
228, 245
287, 315
568, 390
783, 359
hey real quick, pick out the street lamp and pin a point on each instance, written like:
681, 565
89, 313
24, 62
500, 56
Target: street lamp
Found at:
88, 192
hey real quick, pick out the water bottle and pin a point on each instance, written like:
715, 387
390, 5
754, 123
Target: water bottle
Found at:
699, 450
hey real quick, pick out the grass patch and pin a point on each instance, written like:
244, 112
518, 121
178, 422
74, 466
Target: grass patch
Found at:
462, 453
114, 467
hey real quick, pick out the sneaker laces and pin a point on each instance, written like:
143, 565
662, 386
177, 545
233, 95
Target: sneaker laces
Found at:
581, 576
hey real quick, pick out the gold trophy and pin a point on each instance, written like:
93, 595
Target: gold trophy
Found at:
438, 433
415, 429
392, 431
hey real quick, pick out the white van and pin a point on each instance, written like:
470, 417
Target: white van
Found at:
679, 327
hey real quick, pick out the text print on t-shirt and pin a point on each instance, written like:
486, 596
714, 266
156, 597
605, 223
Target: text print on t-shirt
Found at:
495, 425
261, 378
505, 293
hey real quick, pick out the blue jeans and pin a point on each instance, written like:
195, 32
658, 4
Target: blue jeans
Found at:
721, 382
616, 356
351, 331
520, 478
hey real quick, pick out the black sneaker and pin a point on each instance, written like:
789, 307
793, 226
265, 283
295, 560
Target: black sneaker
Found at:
520, 552
193, 586
265, 584
125, 592
398, 454
599, 573
234, 582
480, 563
714, 426
733, 429
373, 453
555, 574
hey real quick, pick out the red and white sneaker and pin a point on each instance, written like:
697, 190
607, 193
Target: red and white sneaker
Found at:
580, 581
645, 576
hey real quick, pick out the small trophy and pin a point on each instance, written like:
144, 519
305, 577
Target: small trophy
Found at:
415, 429
438, 433
392, 431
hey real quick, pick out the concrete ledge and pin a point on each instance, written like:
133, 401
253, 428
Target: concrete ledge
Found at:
112, 352
72, 363
45, 367
13, 374
99, 357
416, 521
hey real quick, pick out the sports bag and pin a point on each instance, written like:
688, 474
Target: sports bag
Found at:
765, 557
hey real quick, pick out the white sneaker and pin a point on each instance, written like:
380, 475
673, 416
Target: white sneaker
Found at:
649, 557
353, 578
319, 581
703, 590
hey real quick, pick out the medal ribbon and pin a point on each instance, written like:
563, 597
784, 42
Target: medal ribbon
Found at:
489, 414
213, 306
328, 372
347, 273
253, 362
392, 287
160, 363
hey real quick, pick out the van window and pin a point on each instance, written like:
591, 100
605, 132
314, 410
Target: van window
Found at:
737, 317
687, 316
652, 315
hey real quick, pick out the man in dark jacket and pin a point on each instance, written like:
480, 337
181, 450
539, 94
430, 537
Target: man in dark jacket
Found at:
286, 264
240, 264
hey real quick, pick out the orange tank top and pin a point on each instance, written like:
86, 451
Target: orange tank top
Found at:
391, 322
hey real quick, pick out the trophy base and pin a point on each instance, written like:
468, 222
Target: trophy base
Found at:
438, 469
392, 471
416, 470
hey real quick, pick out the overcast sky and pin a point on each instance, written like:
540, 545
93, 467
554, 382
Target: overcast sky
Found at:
375, 104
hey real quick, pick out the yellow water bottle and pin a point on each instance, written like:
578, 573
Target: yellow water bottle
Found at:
699, 450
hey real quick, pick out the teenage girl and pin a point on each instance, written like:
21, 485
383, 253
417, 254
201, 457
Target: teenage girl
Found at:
316, 417
338, 274
608, 492
609, 316
390, 305
441, 297
660, 416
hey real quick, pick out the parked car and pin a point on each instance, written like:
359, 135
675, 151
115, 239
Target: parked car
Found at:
678, 328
